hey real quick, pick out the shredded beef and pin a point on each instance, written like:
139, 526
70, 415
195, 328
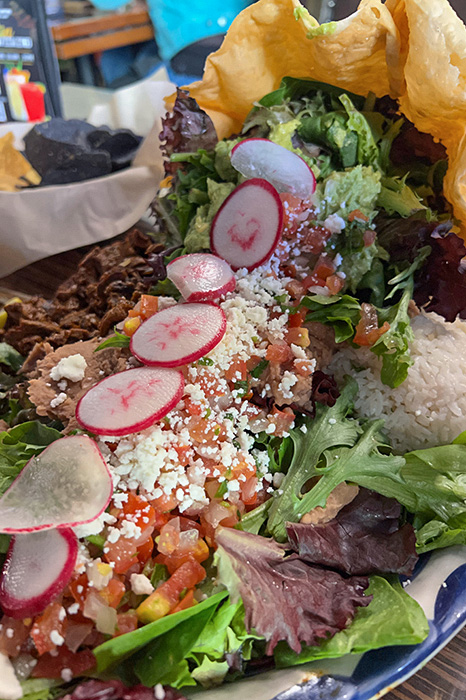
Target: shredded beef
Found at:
108, 282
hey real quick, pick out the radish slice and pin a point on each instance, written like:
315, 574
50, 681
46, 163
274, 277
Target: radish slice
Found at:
285, 170
37, 568
248, 225
178, 335
201, 276
130, 401
68, 484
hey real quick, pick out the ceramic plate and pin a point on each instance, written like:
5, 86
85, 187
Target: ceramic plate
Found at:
438, 585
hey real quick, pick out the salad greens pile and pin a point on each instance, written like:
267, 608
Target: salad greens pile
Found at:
368, 174
270, 574
213, 641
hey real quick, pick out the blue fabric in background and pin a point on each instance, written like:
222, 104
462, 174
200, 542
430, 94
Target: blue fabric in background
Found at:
178, 23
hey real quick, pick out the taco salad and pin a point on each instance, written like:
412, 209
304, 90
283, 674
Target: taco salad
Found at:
225, 448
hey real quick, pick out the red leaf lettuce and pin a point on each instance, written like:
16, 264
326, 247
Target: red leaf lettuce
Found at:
285, 598
364, 538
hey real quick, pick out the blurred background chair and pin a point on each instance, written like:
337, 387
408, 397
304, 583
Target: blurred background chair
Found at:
186, 31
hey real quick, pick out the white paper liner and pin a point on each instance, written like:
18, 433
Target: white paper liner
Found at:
39, 222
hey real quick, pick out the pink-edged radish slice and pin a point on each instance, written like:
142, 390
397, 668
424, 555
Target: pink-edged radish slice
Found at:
130, 401
285, 170
68, 484
37, 568
248, 225
178, 335
201, 276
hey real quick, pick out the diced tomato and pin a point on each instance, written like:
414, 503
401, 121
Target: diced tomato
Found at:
135, 311
209, 384
312, 281
113, 592
371, 337
303, 367
279, 353
122, 553
148, 306
295, 289
111, 445
50, 621
164, 503
205, 431
199, 553
50, 666
145, 551
293, 208
289, 269
183, 452
126, 622
297, 319
237, 371
167, 595
369, 237
334, 284
314, 240
282, 420
13, 634
187, 602
243, 469
212, 467
298, 336
139, 511
192, 407
78, 588
367, 330
357, 214
252, 362
324, 267
249, 491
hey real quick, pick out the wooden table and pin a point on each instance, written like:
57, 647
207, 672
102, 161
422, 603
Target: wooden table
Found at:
443, 678
102, 31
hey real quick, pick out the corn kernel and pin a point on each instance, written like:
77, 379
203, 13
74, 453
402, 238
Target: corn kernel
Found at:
104, 569
131, 325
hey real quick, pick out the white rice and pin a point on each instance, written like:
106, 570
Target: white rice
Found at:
429, 408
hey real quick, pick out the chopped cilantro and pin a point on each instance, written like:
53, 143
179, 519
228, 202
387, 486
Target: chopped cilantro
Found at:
259, 369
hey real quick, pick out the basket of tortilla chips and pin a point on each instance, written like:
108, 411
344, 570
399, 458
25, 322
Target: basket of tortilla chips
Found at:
69, 183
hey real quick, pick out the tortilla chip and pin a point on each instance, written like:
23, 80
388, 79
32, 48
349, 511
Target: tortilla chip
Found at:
413, 50
269, 40
15, 171
434, 95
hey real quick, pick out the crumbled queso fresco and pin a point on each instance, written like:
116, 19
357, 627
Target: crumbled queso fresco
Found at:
210, 432
72, 367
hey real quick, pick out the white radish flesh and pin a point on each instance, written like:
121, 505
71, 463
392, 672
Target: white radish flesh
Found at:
178, 335
201, 276
285, 170
248, 225
37, 568
68, 484
129, 401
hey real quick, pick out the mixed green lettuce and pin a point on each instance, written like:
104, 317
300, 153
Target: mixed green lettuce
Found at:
274, 573
348, 141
